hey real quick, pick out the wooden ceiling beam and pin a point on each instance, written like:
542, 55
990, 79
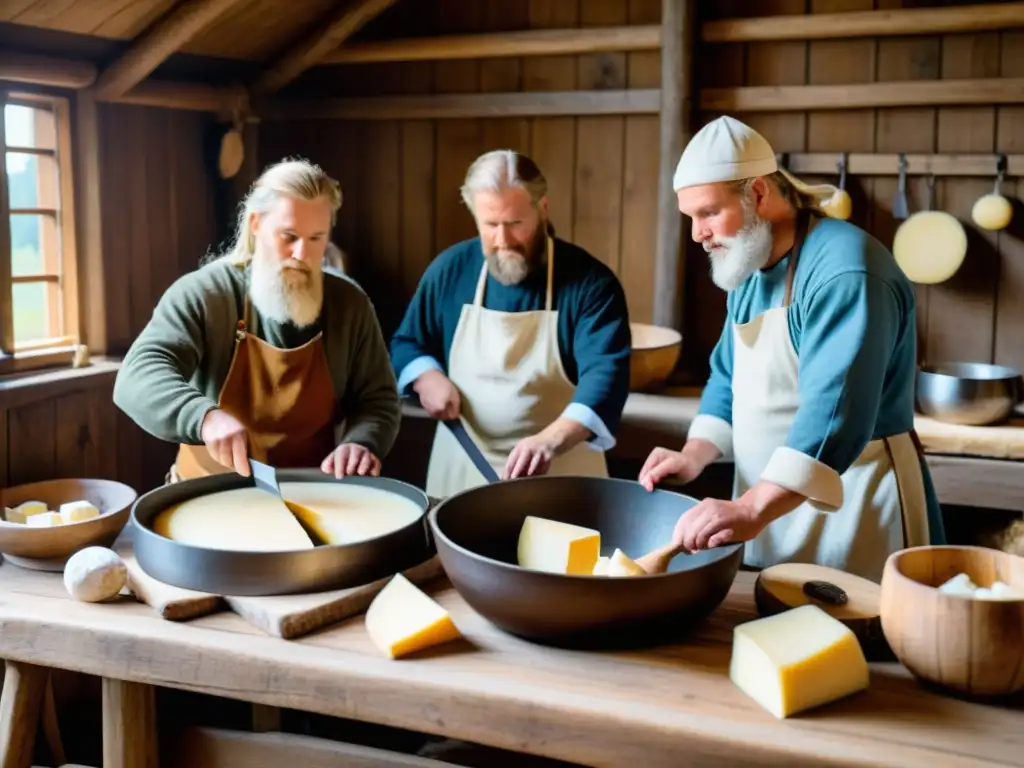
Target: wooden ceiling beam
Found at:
904, 21
197, 97
46, 70
150, 49
906, 93
539, 42
312, 50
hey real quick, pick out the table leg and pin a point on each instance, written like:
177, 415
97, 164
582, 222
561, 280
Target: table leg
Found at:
51, 724
20, 703
129, 725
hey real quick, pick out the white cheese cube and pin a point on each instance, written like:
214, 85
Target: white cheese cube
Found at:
44, 520
77, 511
549, 545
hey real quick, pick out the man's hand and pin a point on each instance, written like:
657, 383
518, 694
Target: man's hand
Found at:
438, 396
226, 440
533, 455
351, 459
714, 522
664, 463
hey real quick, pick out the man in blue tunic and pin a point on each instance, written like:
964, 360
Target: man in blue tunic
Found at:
811, 392
523, 336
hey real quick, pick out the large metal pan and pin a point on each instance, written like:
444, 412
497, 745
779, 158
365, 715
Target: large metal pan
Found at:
476, 533
323, 567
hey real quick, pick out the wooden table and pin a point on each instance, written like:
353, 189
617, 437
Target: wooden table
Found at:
663, 707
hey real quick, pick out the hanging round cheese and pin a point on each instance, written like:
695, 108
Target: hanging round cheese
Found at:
992, 212
839, 206
930, 246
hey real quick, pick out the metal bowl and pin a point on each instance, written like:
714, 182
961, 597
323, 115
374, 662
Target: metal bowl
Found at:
968, 393
477, 532
323, 567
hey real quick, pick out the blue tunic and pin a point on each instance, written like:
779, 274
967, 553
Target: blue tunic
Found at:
594, 341
852, 323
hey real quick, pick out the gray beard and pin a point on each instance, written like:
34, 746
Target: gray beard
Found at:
281, 300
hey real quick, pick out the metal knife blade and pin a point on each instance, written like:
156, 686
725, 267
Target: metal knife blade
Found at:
265, 477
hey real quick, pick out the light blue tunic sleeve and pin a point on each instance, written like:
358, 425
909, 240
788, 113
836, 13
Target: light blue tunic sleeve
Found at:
714, 415
844, 359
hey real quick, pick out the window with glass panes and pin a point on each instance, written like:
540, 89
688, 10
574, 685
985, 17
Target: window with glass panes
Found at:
38, 293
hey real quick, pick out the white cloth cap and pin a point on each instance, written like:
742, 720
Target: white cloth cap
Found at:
724, 150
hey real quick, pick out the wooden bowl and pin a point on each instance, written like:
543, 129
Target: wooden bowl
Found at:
47, 549
656, 351
968, 645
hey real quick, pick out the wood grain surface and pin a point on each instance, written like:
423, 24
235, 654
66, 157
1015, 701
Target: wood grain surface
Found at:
601, 709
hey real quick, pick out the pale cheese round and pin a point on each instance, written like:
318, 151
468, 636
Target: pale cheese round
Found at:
840, 206
94, 574
992, 212
930, 246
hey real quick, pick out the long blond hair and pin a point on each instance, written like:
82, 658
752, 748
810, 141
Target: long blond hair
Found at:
295, 178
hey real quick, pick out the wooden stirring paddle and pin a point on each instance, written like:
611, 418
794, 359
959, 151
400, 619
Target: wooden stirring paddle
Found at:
658, 560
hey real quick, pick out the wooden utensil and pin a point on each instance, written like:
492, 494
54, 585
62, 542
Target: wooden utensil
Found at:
853, 600
967, 645
658, 560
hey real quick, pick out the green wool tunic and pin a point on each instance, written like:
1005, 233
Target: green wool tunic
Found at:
173, 372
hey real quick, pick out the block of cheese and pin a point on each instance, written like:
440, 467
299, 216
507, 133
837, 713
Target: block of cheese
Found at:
797, 660
402, 619
44, 520
549, 545
23, 511
77, 511
241, 519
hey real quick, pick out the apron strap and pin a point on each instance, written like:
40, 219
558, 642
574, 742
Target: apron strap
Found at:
478, 298
803, 219
243, 323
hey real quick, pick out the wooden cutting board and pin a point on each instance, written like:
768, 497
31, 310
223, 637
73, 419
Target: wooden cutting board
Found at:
1001, 441
284, 616
856, 602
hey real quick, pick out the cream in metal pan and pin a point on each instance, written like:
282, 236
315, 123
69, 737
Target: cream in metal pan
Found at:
251, 520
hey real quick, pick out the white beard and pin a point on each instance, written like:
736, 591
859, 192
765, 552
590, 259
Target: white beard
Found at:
283, 299
738, 257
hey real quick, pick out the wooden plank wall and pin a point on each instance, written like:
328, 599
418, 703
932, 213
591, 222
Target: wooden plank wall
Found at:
158, 221
401, 178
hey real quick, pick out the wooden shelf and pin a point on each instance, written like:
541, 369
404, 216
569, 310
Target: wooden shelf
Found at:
867, 164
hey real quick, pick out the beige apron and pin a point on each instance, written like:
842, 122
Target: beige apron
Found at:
507, 368
284, 397
883, 506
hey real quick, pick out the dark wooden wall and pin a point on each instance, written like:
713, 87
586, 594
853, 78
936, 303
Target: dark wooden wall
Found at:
401, 178
157, 209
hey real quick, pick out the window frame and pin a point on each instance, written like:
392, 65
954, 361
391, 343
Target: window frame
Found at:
60, 350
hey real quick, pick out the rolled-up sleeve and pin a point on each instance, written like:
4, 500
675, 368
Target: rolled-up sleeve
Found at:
843, 365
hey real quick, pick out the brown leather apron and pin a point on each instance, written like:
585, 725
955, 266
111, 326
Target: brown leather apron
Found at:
284, 397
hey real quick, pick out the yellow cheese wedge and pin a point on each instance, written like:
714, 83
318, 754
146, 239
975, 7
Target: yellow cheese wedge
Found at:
620, 565
44, 520
77, 511
797, 660
23, 511
549, 545
339, 513
601, 566
242, 519
402, 619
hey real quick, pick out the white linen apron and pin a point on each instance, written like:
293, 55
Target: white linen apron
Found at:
509, 373
884, 506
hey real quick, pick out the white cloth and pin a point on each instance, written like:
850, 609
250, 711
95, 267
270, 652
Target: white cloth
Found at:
877, 508
508, 370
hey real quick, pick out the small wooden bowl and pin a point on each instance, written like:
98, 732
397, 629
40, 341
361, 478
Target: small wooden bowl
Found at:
968, 645
656, 351
47, 549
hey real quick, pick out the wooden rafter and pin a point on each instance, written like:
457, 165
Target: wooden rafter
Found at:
882, 23
312, 50
186, 20
537, 42
46, 70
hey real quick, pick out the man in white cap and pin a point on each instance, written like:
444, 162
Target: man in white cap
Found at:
811, 392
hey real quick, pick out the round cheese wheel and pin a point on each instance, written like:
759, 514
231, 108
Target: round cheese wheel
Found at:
840, 206
992, 212
930, 246
232, 154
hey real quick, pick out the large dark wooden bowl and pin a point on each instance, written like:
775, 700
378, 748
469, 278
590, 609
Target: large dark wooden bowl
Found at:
477, 532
